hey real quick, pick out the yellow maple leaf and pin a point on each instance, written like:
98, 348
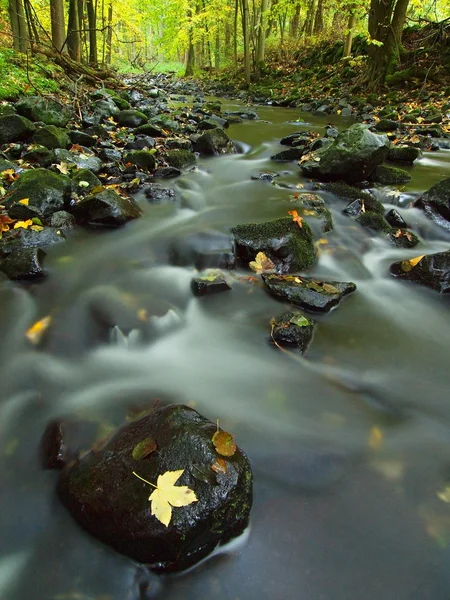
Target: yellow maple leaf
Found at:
167, 494
262, 264
24, 201
407, 265
23, 224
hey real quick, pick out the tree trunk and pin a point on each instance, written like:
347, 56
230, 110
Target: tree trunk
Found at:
235, 36
57, 23
261, 46
295, 22
309, 21
245, 30
190, 58
349, 36
18, 22
217, 50
109, 35
386, 20
92, 24
73, 32
318, 21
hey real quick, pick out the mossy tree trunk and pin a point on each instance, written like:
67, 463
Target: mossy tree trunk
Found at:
57, 23
73, 32
246, 33
349, 35
18, 22
386, 20
91, 9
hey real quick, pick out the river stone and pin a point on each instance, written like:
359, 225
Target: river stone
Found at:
82, 160
395, 219
166, 173
46, 191
351, 157
289, 246
82, 138
39, 155
113, 505
214, 142
308, 293
292, 329
403, 154
131, 118
149, 129
106, 208
300, 138
85, 180
24, 265
389, 175
27, 238
62, 220
14, 128
180, 158
293, 153
144, 159
402, 238
156, 194
432, 271
436, 203
203, 249
209, 284
48, 111
349, 192
51, 137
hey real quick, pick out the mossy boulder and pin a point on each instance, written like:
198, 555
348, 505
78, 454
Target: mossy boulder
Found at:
150, 129
81, 160
46, 191
105, 208
14, 128
387, 125
113, 505
180, 158
39, 155
25, 264
310, 294
214, 142
48, 111
432, 271
374, 221
144, 159
436, 203
351, 157
131, 118
85, 180
292, 330
289, 246
51, 137
390, 175
349, 192
403, 154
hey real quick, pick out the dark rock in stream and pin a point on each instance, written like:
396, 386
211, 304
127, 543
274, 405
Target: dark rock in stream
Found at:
106, 208
131, 118
294, 330
395, 219
431, 270
111, 503
214, 142
300, 138
351, 157
389, 175
39, 155
48, 111
293, 153
436, 203
156, 194
180, 158
310, 294
144, 159
289, 246
85, 180
166, 173
203, 249
82, 160
46, 191
14, 128
27, 238
25, 264
403, 154
209, 284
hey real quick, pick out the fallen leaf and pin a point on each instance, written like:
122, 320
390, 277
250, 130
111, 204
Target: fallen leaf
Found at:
296, 217
36, 227
299, 320
167, 494
36, 331
76, 148
5, 222
224, 443
330, 289
219, 466
203, 473
262, 264
23, 224
24, 201
375, 438
444, 495
144, 448
63, 168
407, 265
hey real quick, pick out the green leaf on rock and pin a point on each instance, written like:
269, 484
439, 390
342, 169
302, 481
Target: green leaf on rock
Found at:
299, 320
144, 448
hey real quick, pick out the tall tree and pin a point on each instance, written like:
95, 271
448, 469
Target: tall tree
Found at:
262, 26
91, 8
73, 31
246, 33
57, 23
18, 22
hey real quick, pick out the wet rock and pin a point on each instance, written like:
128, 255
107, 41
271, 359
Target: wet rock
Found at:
387, 125
51, 137
104, 109
287, 155
395, 219
432, 270
389, 175
203, 249
178, 144
436, 203
82, 138
141, 142
61, 219
374, 221
159, 195
6, 165
214, 142
144, 159
316, 207
290, 247
166, 173
82, 160
180, 158
112, 504
14, 128
209, 284
351, 157
251, 115
405, 154
348, 192
402, 238
97, 131
39, 155
131, 118
211, 123
265, 176
27, 239
151, 130
292, 330
110, 155
48, 111
85, 180
308, 293
46, 191
106, 208
300, 138
331, 132
25, 264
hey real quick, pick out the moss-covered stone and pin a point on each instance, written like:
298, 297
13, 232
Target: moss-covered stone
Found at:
214, 142
25, 264
436, 203
432, 271
405, 154
374, 221
81, 160
180, 158
131, 118
51, 137
46, 191
82, 177
390, 175
144, 159
14, 128
48, 111
348, 192
290, 247
292, 330
106, 208
39, 155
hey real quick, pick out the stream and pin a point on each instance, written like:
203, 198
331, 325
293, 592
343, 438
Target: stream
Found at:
349, 445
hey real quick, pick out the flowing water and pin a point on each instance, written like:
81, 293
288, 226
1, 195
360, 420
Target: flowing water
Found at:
350, 446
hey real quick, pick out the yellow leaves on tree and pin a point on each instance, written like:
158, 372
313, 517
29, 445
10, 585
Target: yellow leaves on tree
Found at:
167, 494
262, 264
296, 217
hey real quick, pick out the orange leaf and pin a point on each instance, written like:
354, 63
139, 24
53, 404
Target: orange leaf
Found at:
219, 466
296, 217
224, 443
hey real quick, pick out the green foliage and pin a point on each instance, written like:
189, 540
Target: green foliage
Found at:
19, 79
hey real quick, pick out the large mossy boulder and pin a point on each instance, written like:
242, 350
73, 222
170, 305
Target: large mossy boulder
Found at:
14, 128
180, 158
403, 154
436, 203
214, 142
431, 270
112, 504
48, 111
81, 160
352, 156
290, 247
131, 118
51, 137
143, 159
46, 191
389, 175
106, 208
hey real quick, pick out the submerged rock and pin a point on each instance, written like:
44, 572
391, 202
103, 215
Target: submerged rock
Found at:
106, 208
310, 294
351, 157
287, 245
112, 504
292, 330
213, 142
209, 284
436, 203
203, 249
431, 270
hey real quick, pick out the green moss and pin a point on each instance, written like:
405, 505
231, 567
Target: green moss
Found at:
348, 192
374, 221
180, 158
16, 75
390, 175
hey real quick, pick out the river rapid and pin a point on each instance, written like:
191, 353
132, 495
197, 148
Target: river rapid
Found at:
350, 445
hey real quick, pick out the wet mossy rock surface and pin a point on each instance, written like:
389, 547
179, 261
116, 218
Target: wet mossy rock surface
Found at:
48, 111
432, 271
352, 156
14, 128
436, 203
106, 208
46, 191
289, 246
293, 330
112, 504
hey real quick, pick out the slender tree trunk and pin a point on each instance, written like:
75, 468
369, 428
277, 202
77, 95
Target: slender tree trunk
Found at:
235, 35
92, 24
57, 23
33, 35
190, 58
295, 22
246, 33
73, 32
261, 46
309, 22
109, 35
217, 50
18, 22
318, 21
349, 36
